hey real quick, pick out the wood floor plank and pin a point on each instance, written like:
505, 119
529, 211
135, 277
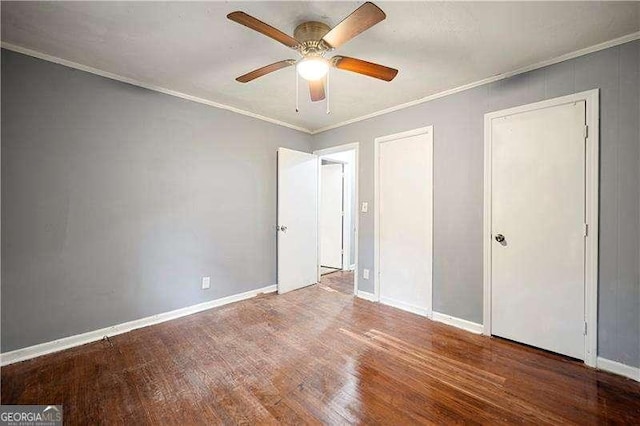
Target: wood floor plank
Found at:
316, 356
339, 281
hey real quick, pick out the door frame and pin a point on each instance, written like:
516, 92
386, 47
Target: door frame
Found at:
592, 156
428, 130
356, 172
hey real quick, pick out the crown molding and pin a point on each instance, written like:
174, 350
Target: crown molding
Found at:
102, 73
571, 55
607, 44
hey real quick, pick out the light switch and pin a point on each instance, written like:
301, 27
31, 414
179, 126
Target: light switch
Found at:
365, 207
365, 274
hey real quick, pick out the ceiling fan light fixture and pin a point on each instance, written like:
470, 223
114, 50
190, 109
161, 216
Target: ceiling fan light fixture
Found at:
313, 69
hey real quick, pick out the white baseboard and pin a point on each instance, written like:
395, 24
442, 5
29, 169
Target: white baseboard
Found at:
458, 322
618, 368
419, 310
92, 336
367, 296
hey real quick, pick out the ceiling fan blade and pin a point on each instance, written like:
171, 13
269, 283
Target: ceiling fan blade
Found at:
363, 67
316, 89
265, 70
266, 29
363, 18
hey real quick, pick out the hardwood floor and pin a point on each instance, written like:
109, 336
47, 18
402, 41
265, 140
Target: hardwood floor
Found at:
341, 281
326, 270
316, 356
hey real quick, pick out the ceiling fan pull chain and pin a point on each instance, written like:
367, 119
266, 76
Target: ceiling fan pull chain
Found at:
297, 89
328, 110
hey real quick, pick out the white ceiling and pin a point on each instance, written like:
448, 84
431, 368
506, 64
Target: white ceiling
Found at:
192, 48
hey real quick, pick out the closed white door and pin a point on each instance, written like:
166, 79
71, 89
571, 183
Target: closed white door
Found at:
297, 227
331, 215
405, 222
538, 216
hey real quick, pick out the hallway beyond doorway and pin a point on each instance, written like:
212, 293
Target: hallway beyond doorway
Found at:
341, 281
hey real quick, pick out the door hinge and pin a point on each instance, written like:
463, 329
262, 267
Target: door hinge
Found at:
585, 328
586, 131
586, 229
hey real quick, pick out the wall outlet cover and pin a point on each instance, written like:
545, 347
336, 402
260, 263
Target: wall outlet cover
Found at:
206, 282
365, 207
365, 274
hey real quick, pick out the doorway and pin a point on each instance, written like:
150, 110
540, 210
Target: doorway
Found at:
332, 216
338, 218
541, 225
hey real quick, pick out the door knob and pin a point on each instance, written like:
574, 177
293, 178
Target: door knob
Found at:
281, 228
499, 238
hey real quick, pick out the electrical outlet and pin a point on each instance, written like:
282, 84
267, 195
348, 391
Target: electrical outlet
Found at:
365, 274
206, 282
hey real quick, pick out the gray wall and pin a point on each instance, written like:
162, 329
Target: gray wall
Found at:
458, 179
116, 200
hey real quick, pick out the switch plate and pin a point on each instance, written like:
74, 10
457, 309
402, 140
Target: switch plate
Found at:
365, 207
206, 282
365, 274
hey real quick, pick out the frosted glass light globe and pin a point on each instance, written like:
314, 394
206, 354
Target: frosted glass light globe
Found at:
312, 68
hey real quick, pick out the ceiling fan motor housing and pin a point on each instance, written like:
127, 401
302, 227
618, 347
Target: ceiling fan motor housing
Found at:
310, 34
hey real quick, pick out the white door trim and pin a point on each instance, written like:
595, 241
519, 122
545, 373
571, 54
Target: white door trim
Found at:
376, 238
333, 150
591, 98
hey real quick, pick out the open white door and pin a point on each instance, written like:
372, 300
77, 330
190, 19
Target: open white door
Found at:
297, 219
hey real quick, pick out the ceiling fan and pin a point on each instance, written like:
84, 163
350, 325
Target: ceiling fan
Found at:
312, 40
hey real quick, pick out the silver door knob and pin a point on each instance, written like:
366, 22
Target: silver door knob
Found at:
499, 238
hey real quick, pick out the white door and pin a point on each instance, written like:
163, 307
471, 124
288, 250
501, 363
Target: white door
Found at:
538, 207
405, 222
297, 219
331, 215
